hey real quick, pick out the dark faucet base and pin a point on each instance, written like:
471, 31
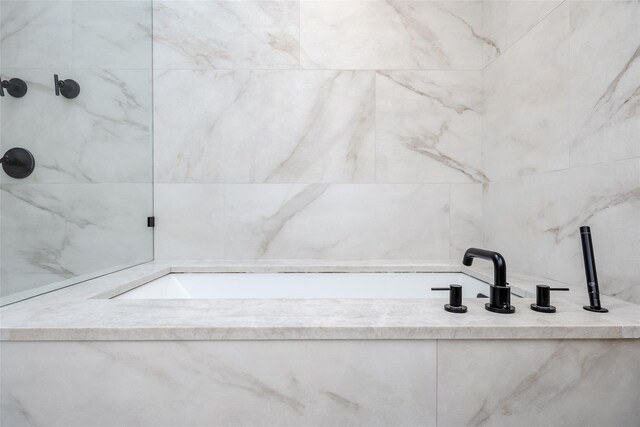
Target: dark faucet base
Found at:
503, 310
453, 309
543, 309
596, 309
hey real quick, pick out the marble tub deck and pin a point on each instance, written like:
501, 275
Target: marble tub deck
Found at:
85, 312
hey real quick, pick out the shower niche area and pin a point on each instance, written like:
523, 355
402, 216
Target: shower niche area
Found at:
86, 117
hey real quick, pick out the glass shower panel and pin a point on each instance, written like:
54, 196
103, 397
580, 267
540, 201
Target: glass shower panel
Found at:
83, 211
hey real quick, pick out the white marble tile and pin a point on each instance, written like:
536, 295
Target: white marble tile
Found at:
265, 126
36, 34
391, 35
284, 383
108, 34
527, 103
605, 99
505, 22
74, 229
466, 219
226, 34
103, 135
534, 223
428, 126
189, 221
539, 383
337, 221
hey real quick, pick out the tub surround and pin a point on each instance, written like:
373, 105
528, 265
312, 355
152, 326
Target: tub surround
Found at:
85, 312
322, 383
356, 362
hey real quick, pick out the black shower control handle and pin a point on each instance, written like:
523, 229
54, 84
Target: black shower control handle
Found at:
15, 87
543, 299
455, 299
56, 84
68, 88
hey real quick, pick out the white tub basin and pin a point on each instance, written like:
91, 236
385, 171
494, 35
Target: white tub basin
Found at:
303, 285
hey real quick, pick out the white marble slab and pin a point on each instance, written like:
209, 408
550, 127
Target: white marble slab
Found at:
506, 22
111, 34
226, 34
605, 100
185, 232
429, 126
318, 127
36, 34
466, 219
526, 121
539, 383
317, 221
74, 228
224, 383
391, 35
356, 221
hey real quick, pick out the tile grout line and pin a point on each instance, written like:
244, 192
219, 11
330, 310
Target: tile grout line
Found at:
508, 48
437, 378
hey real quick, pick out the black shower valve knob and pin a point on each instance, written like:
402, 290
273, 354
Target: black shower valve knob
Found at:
15, 87
67, 88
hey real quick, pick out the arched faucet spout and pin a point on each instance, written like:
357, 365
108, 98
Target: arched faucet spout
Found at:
499, 264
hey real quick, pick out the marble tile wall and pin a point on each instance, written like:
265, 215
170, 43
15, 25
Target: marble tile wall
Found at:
84, 208
156, 383
560, 138
538, 383
317, 129
587, 383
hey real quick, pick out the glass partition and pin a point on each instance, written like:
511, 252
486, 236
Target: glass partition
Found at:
83, 209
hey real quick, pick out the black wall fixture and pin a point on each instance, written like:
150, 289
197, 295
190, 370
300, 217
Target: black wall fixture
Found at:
67, 88
15, 87
18, 163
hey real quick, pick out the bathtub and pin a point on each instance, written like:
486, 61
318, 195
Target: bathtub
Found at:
304, 286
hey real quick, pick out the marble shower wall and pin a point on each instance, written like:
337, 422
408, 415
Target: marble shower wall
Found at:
84, 208
560, 138
317, 129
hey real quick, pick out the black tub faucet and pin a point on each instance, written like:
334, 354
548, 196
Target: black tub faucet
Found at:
499, 292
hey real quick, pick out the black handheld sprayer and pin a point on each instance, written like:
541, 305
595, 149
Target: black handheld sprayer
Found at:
590, 271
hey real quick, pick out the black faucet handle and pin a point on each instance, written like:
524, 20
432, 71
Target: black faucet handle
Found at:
15, 87
455, 299
68, 88
543, 299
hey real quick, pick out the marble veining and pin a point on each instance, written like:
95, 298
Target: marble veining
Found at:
605, 96
226, 34
193, 383
561, 118
267, 221
319, 127
52, 232
428, 126
391, 35
570, 379
527, 109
